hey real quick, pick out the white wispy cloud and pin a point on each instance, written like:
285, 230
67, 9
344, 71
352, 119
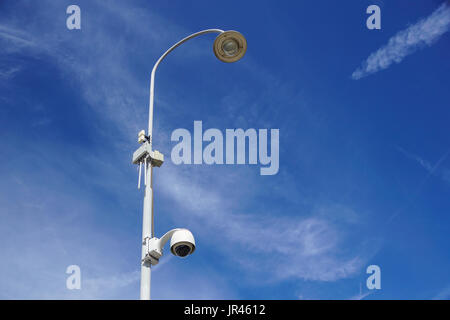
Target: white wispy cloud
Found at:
361, 296
424, 33
443, 294
433, 169
8, 73
18, 38
305, 245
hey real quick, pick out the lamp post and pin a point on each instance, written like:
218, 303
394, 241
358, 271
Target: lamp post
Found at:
229, 46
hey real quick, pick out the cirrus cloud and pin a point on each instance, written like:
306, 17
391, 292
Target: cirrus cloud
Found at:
424, 33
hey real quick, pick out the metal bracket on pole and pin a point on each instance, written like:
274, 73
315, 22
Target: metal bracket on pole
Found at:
153, 251
144, 155
144, 151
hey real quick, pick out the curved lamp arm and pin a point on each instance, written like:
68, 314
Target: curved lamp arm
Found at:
152, 81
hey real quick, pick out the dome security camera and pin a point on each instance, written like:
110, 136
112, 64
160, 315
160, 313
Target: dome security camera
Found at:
182, 244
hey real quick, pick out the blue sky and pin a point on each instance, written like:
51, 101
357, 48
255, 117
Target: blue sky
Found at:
364, 173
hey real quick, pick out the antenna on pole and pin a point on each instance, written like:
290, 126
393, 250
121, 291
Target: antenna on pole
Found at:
140, 173
145, 156
145, 171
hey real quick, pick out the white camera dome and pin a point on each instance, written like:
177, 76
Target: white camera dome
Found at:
182, 243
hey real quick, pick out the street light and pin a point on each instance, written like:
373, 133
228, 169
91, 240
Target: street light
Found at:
229, 46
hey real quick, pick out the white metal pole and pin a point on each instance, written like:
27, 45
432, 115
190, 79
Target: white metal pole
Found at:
146, 234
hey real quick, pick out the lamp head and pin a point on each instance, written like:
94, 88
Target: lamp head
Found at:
230, 46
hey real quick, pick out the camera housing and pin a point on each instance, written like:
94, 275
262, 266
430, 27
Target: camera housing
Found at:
182, 243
